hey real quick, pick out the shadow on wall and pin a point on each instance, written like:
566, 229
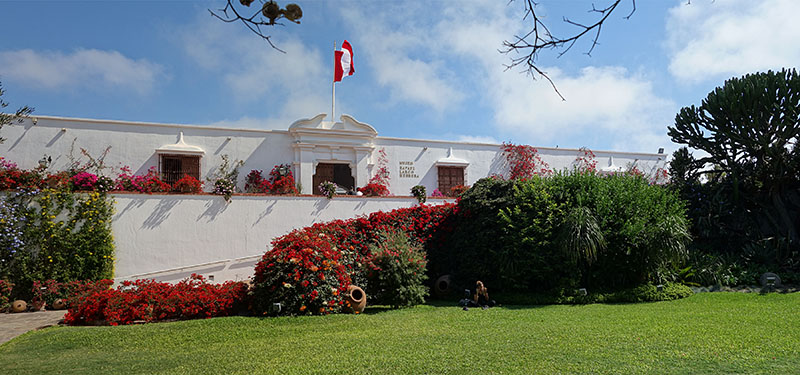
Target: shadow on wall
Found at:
133, 204
264, 214
27, 125
320, 205
160, 212
499, 165
214, 207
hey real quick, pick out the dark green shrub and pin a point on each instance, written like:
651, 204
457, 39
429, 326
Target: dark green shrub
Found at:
399, 271
470, 251
575, 229
529, 257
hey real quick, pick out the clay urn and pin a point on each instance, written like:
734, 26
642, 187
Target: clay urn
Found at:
19, 306
356, 299
59, 304
443, 286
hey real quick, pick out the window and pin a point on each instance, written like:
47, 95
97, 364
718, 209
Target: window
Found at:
174, 167
450, 177
339, 174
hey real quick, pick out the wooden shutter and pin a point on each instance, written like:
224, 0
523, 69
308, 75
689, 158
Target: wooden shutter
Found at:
324, 173
450, 177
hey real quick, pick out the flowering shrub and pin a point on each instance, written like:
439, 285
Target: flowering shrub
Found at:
11, 177
281, 181
379, 183
58, 181
399, 271
585, 162
11, 224
149, 183
303, 272
524, 162
437, 194
418, 192
149, 301
457, 190
308, 269
374, 190
256, 183
49, 234
5, 295
188, 184
327, 189
225, 177
83, 181
48, 291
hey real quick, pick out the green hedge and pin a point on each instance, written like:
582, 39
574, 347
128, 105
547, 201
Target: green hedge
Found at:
571, 230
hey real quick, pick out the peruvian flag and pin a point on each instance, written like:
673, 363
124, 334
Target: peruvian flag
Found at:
343, 62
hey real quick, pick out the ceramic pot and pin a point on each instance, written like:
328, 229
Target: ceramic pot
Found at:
19, 306
59, 304
443, 286
356, 299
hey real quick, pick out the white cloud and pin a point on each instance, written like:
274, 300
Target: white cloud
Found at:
83, 68
389, 42
604, 105
477, 139
724, 38
291, 85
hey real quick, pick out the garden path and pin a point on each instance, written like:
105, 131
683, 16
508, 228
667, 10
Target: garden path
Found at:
13, 325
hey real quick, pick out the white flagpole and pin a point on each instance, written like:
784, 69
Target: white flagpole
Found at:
333, 86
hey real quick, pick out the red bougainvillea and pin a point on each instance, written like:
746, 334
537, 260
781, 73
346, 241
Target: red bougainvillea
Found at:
379, 183
307, 270
524, 162
585, 162
188, 184
281, 181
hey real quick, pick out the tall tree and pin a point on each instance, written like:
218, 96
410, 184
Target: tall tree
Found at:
750, 128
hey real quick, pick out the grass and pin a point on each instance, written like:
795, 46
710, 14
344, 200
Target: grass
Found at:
705, 333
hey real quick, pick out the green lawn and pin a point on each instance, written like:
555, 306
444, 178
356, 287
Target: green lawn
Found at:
706, 333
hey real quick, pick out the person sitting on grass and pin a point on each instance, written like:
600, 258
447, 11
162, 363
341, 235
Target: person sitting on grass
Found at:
480, 298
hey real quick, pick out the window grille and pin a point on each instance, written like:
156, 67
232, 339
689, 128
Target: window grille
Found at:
173, 167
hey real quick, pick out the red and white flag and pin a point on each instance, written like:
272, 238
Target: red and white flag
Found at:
343, 62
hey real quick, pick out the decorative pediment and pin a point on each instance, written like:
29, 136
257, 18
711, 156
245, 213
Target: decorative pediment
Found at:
451, 160
181, 148
347, 124
611, 168
347, 132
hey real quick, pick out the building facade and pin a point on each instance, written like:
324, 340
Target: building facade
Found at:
347, 152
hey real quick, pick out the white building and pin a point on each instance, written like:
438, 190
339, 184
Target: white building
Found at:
169, 237
345, 152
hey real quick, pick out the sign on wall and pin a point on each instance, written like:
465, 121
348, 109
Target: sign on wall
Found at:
407, 170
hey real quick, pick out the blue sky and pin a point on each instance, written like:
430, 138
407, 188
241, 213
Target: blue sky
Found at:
424, 69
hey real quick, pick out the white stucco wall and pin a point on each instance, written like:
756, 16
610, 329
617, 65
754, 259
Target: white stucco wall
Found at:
168, 237
305, 144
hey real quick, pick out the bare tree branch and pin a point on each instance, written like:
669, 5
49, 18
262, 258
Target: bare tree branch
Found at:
539, 38
265, 15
